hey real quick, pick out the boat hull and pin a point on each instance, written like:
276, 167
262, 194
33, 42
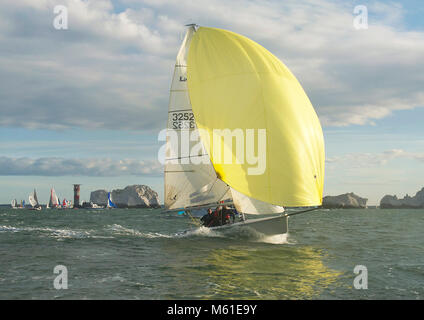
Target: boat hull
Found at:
268, 226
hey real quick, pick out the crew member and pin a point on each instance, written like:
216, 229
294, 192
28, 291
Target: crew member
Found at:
227, 213
207, 218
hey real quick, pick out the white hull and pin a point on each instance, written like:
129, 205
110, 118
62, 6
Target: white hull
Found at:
268, 226
271, 226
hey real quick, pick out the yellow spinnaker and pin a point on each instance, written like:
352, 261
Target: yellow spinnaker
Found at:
234, 83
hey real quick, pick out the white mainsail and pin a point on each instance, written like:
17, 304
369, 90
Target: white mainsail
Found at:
33, 200
14, 203
187, 184
54, 200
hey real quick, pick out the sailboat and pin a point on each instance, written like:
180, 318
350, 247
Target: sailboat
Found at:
14, 204
225, 81
54, 200
33, 200
110, 204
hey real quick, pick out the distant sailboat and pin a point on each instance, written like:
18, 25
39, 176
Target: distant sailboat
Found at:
14, 204
110, 204
54, 201
33, 200
225, 81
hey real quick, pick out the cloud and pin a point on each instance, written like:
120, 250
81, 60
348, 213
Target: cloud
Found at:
366, 160
78, 167
112, 67
105, 71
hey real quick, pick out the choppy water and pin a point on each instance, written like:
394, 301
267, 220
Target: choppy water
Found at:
138, 254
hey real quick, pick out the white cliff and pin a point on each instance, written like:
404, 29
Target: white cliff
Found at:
136, 196
345, 201
416, 201
99, 197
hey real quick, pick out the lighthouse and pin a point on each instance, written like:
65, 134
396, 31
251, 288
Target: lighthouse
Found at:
76, 195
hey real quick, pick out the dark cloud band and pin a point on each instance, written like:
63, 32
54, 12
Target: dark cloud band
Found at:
78, 167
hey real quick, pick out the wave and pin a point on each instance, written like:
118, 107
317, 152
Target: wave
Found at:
236, 233
9, 229
199, 232
116, 230
56, 233
109, 232
121, 230
112, 278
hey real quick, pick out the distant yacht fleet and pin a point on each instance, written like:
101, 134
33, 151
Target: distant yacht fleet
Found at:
55, 203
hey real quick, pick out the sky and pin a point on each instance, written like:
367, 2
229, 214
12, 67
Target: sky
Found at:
85, 105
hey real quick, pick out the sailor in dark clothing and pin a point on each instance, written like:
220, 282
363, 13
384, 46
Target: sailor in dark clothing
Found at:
216, 218
207, 218
220, 217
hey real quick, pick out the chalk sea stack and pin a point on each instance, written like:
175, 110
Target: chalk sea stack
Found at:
408, 202
344, 201
136, 196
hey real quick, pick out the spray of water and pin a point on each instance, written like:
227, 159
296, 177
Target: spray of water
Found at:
237, 233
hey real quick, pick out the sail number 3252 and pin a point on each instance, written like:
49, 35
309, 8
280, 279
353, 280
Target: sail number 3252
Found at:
183, 120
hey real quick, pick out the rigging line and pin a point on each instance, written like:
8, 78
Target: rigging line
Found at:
220, 199
185, 157
193, 219
212, 186
175, 111
226, 192
304, 211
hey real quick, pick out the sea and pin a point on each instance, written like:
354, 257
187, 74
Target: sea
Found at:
144, 254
